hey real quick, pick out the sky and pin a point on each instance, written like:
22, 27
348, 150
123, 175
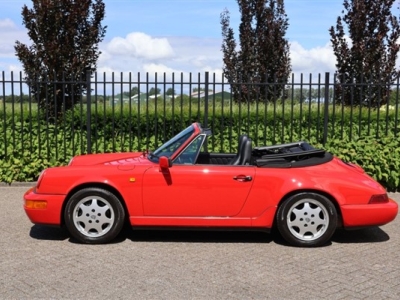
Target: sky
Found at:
183, 36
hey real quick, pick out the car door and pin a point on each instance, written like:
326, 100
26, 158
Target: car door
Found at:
196, 190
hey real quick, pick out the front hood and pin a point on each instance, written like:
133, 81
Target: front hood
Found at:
108, 159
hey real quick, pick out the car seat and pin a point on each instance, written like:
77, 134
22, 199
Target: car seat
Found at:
243, 156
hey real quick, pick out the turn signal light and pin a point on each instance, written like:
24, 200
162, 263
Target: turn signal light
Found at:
36, 204
377, 199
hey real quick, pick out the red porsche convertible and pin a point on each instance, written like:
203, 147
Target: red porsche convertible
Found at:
305, 192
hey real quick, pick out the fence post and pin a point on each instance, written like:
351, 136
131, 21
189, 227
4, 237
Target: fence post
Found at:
206, 85
88, 112
326, 109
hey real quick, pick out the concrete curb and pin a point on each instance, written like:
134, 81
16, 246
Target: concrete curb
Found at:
17, 184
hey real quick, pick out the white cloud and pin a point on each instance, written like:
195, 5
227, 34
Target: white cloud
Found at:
194, 54
7, 24
152, 68
106, 70
140, 45
15, 68
316, 60
9, 33
173, 55
104, 57
141, 53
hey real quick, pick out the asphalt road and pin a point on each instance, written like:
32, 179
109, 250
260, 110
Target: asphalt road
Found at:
41, 262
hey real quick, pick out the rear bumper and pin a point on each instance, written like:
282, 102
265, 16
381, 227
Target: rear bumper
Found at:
51, 215
369, 214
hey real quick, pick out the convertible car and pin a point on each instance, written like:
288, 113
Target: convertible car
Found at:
305, 193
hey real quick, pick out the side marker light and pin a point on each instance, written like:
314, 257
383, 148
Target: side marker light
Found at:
36, 204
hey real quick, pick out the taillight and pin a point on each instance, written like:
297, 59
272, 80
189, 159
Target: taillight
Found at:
376, 199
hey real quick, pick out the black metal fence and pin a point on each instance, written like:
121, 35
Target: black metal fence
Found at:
127, 112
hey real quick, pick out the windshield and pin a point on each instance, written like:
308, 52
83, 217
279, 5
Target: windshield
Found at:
173, 144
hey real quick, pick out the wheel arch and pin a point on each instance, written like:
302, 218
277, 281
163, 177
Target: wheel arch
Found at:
323, 193
100, 185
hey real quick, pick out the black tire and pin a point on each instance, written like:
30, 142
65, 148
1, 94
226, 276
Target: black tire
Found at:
94, 216
307, 220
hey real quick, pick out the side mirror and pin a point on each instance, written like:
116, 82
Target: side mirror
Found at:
164, 162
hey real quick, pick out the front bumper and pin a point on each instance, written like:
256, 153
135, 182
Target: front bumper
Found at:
369, 214
51, 214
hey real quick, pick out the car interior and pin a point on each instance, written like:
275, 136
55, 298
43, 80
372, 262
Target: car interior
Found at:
297, 154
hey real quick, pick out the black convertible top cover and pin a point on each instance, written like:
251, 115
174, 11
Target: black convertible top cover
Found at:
292, 155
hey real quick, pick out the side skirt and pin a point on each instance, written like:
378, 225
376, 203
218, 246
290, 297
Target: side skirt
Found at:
186, 228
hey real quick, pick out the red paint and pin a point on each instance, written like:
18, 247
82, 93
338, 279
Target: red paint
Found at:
163, 194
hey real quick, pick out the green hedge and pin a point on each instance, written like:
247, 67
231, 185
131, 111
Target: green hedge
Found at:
361, 136
380, 157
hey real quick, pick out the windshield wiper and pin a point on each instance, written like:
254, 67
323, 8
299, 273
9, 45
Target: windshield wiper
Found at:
152, 155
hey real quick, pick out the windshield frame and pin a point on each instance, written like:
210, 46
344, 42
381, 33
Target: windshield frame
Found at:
176, 144
191, 157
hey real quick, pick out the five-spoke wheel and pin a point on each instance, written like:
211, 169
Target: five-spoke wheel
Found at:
94, 215
307, 219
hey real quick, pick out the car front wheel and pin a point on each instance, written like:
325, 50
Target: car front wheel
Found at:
94, 216
307, 219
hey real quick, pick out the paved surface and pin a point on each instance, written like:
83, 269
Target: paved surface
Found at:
41, 262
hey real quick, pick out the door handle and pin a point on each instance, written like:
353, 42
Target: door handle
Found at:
243, 178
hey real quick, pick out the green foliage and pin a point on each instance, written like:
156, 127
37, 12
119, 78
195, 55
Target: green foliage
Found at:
264, 51
368, 56
380, 157
65, 35
28, 145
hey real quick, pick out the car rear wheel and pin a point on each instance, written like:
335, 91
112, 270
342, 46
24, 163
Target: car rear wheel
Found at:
307, 219
94, 216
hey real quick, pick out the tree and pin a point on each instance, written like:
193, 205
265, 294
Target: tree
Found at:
263, 56
134, 91
65, 35
201, 90
170, 92
368, 54
154, 91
